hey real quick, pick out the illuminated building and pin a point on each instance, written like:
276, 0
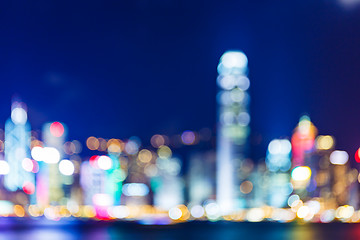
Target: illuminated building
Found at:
17, 150
101, 180
200, 177
114, 177
233, 127
261, 184
323, 170
168, 186
303, 161
278, 162
92, 180
302, 141
340, 176
55, 186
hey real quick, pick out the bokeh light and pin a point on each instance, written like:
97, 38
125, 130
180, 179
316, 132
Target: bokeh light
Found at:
339, 157
66, 167
57, 129
301, 173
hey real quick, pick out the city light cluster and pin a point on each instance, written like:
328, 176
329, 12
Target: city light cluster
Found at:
184, 177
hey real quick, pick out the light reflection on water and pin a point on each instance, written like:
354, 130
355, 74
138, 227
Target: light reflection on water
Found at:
216, 231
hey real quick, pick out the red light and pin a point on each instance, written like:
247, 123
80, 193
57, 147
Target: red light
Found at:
93, 161
357, 156
28, 188
57, 129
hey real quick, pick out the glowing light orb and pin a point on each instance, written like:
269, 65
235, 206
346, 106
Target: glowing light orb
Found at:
301, 173
324, 142
145, 156
188, 137
164, 152
4, 167
93, 161
36, 153
27, 164
102, 199
66, 167
28, 188
50, 155
19, 116
303, 211
56, 129
175, 213
197, 211
104, 162
234, 59
92, 143
339, 157
357, 156
279, 147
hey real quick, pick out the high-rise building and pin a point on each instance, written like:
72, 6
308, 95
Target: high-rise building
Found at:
54, 135
169, 191
201, 177
17, 150
278, 161
303, 141
233, 127
322, 170
340, 181
303, 160
92, 181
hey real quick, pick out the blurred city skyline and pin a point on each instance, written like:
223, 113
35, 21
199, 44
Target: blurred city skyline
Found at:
141, 68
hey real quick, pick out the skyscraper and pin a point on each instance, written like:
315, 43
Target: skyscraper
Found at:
54, 135
278, 161
17, 149
303, 147
233, 127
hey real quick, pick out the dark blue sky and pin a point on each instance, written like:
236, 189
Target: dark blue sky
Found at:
140, 67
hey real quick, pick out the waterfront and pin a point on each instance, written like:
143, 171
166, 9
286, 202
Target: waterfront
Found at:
193, 230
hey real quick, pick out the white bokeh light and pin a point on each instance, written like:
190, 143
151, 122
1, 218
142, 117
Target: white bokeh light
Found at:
4, 167
27, 164
104, 162
197, 211
175, 213
301, 173
234, 60
66, 167
339, 157
37, 153
50, 155
19, 115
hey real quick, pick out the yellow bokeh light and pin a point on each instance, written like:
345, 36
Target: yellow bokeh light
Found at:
19, 211
303, 211
164, 152
145, 156
114, 145
324, 142
89, 211
92, 143
34, 211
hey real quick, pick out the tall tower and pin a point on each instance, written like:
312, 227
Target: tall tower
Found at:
278, 162
17, 148
233, 127
303, 162
54, 135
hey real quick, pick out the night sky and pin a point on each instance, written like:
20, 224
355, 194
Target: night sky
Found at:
140, 67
